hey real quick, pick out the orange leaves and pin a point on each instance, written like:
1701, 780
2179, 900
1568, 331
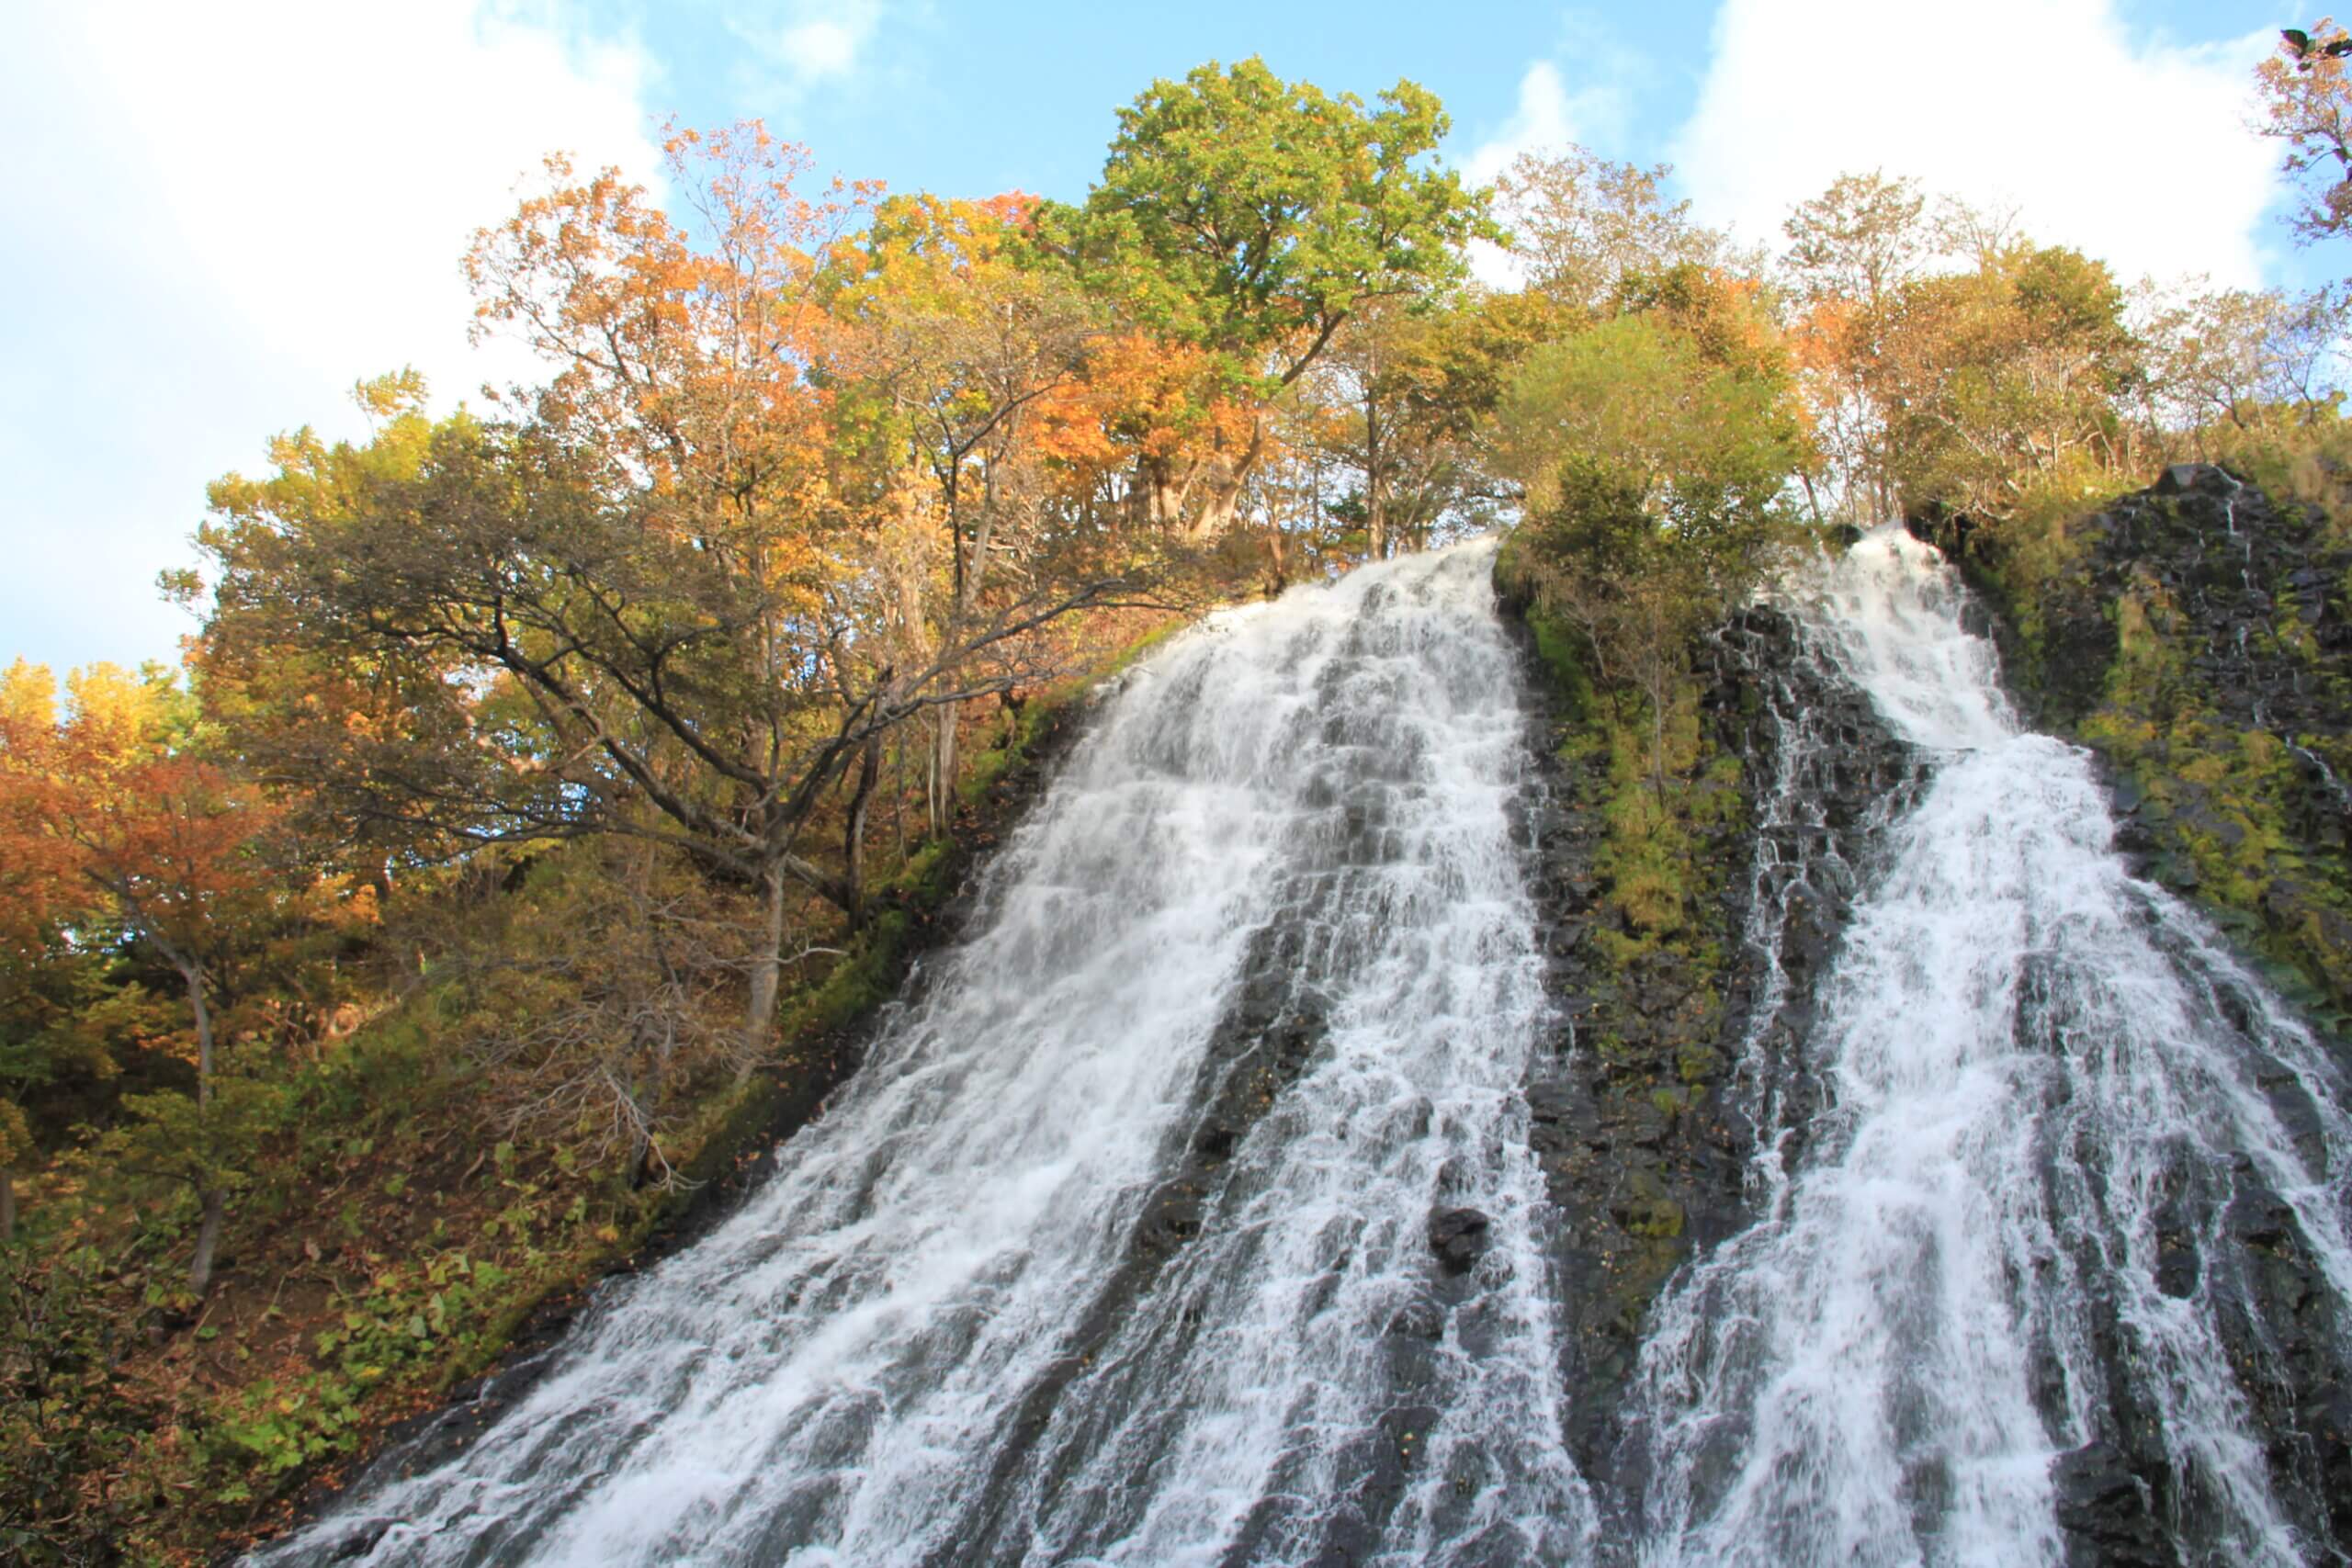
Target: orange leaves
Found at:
1138, 397
683, 360
100, 815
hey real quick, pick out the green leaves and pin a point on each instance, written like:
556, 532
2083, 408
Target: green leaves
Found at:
1702, 447
1249, 217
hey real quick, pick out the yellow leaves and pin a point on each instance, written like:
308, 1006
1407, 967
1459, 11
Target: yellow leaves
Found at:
28, 706
383, 397
115, 714
17, 1144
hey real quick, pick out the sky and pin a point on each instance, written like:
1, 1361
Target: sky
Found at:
214, 219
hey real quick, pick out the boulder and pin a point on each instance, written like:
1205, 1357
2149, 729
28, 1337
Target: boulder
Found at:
1458, 1237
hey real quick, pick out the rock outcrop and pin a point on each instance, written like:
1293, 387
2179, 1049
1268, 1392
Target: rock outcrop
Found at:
2199, 635
1645, 1114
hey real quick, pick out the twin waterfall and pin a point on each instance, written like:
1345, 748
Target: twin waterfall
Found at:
1118, 1248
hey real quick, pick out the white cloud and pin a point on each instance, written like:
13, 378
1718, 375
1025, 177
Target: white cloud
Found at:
2128, 146
822, 48
1542, 120
819, 41
221, 217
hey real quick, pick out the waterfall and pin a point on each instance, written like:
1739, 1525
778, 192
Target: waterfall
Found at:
1185, 1215
1118, 1248
2065, 1139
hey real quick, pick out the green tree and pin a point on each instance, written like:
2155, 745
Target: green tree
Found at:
1653, 448
1251, 218
1581, 224
1402, 405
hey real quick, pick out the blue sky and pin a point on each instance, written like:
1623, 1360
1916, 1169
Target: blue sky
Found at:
218, 218
970, 97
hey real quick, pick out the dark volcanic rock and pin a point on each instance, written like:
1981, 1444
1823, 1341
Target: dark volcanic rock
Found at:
1458, 1237
1642, 1137
2108, 1512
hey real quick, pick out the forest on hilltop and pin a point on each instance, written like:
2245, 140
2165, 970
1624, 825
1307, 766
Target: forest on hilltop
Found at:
554, 778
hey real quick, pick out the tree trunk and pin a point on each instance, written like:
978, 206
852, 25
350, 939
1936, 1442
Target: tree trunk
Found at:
1159, 499
8, 1203
208, 1193
943, 759
854, 850
1223, 476
208, 1239
931, 810
646, 1107
767, 976
640, 1150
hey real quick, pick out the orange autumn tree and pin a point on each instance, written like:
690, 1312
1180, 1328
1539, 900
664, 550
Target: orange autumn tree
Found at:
113, 825
646, 601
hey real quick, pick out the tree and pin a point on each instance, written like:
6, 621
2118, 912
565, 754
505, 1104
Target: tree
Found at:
1249, 218
1850, 250
1859, 240
2010, 376
2250, 359
2307, 104
941, 326
1400, 404
128, 830
576, 663
1580, 224
1653, 447
650, 606
34, 869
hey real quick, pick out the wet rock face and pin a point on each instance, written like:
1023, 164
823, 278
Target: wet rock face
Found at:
2200, 641
2243, 571
2108, 1512
1458, 1237
2240, 568
2199, 638
1642, 1115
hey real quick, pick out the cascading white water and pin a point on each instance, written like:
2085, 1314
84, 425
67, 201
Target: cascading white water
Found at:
833, 1375
2015, 1230
2047, 1088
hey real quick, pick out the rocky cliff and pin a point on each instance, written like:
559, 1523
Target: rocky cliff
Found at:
2199, 635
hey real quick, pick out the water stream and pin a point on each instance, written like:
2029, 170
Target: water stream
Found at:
1118, 1248
929, 1337
2018, 1232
